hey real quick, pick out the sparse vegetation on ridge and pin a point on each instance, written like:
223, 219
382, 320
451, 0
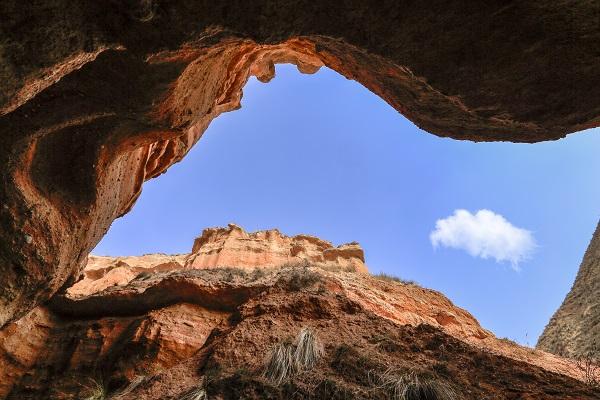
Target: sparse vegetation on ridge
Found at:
308, 264
393, 278
302, 278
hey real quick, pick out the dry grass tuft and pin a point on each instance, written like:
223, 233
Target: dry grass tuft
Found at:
308, 349
412, 386
197, 393
135, 382
281, 364
95, 391
392, 278
285, 359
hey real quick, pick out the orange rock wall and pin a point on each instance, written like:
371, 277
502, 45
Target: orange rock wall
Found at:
222, 247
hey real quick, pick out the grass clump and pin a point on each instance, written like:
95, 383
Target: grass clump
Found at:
392, 278
308, 349
135, 382
281, 364
196, 393
413, 386
286, 359
95, 391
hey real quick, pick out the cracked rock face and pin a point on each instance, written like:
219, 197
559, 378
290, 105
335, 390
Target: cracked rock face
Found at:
98, 97
232, 246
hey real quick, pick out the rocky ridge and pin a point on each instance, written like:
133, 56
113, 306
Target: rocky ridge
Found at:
223, 247
173, 328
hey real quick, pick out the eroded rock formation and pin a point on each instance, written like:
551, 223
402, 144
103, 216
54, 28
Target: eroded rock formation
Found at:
232, 246
173, 328
574, 330
222, 247
97, 97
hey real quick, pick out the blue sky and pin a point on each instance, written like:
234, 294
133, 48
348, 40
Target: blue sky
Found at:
320, 154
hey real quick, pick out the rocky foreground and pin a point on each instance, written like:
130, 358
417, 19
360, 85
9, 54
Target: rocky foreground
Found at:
196, 326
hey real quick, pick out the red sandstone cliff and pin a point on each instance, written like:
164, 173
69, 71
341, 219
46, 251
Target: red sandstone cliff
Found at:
163, 327
223, 247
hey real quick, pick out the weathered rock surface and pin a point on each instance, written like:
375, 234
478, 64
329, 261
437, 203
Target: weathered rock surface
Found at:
102, 272
574, 330
222, 247
63, 358
97, 97
232, 246
166, 332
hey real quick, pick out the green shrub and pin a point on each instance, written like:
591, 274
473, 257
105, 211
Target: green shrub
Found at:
302, 278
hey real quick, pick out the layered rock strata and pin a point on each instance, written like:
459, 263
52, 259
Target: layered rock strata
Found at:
223, 247
168, 332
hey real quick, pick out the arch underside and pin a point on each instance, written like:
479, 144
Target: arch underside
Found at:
99, 98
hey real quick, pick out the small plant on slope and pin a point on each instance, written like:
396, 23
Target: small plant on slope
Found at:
412, 386
589, 368
308, 349
95, 391
392, 278
281, 364
285, 359
197, 393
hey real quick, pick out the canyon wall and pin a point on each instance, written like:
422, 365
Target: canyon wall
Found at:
155, 326
574, 330
98, 97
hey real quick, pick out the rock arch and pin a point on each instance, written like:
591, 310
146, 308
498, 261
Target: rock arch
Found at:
99, 97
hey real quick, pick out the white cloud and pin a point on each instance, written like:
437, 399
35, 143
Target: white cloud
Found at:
484, 234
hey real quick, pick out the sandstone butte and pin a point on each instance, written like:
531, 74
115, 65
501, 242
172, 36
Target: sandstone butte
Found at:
160, 326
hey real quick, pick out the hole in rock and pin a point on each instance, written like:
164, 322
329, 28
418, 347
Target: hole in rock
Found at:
321, 155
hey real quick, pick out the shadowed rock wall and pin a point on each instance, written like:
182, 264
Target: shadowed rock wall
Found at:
98, 97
